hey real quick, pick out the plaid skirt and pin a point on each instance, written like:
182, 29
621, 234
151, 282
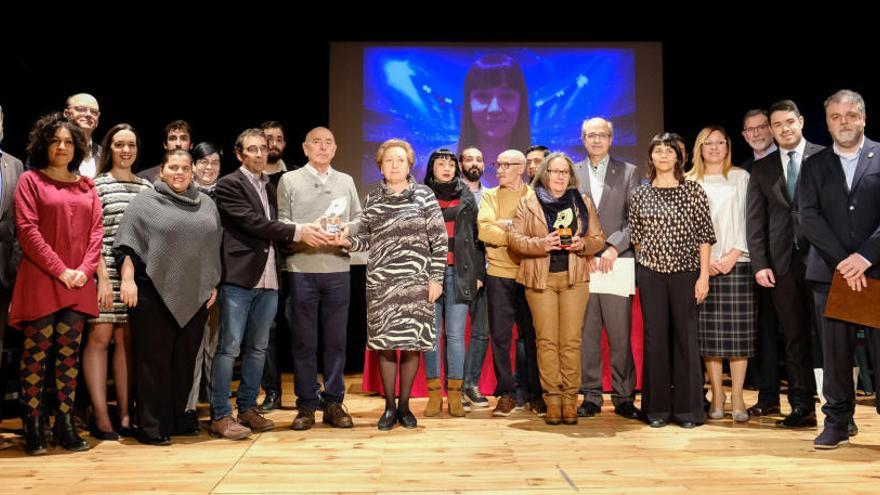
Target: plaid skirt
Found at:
727, 316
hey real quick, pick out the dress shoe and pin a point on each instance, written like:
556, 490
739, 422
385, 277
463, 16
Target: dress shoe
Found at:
336, 416
830, 439
763, 409
799, 418
588, 409
627, 410
271, 402
255, 421
717, 412
189, 426
103, 435
657, 423
159, 441
228, 428
406, 419
851, 428
687, 424
304, 420
739, 416
388, 419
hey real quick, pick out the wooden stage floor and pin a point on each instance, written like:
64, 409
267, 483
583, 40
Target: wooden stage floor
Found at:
478, 454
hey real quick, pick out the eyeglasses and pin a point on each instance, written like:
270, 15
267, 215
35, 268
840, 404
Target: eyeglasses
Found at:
709, 144
506, 165
205, 163
559, 173
254, 149
596, 135
756, 129
84, 109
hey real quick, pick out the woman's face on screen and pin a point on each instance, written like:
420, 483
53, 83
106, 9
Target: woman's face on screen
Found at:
495, 110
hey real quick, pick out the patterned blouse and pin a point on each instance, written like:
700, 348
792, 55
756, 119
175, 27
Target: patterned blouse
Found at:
669, 225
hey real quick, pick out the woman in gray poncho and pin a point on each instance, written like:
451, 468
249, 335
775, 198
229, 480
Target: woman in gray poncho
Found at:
168, 248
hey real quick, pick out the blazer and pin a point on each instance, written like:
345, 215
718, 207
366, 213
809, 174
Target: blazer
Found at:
247, 231
621, 181
772, 217
10, 253
840, 221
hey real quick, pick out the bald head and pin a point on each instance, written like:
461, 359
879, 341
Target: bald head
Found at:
509, 168
83, 110
320, 147
597, 134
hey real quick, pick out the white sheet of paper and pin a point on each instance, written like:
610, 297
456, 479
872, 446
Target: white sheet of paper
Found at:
620, 281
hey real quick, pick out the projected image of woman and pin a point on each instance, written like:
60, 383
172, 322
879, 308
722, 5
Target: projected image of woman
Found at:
495, 113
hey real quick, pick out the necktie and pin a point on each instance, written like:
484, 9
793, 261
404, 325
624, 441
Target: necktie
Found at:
792, 174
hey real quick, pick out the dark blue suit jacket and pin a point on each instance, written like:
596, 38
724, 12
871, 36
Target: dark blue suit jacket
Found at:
838, 220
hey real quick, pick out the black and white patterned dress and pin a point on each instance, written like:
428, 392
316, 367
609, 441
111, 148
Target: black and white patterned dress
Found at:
406, 241
115, 195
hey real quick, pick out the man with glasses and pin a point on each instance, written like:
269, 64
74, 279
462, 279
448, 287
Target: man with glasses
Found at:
507, 300
778, 251
610, 184
83, 110
534, 157
178, 135
756, 132
249, 285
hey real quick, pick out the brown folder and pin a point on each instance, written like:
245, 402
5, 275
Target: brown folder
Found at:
861, 308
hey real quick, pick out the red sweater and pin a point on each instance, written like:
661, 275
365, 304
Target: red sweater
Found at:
59, 226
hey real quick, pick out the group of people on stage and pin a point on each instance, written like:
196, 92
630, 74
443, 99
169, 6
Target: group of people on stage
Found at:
186, 271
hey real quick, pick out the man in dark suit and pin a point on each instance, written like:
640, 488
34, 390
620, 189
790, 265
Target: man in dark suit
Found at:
249, 285
756, 131
778, 252
10, 170
839, 197
609, 183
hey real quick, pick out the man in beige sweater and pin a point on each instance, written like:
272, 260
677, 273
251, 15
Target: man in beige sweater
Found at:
507, 302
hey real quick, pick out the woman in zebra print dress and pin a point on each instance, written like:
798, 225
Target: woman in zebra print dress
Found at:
116, 185
402, 229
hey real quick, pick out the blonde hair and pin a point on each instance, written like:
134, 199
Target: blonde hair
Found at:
395, 143
699, 169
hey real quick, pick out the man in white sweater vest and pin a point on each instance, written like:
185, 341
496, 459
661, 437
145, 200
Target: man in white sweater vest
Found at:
318, 278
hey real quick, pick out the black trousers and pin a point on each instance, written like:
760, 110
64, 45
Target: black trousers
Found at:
164, 359
766, 363
672, 378
838, 346
794, 305
271, 380
508, 305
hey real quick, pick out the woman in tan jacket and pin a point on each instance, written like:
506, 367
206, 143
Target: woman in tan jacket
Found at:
556, 231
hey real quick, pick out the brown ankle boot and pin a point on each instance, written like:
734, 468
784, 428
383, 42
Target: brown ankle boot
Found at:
435, 398
554, 409
453, 398
569, 412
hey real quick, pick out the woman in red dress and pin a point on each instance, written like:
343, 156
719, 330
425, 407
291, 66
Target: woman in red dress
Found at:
59, 226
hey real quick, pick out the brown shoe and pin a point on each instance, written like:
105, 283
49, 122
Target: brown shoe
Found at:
554, 410
255, 421
569, 413
229, 428
336, 416
435, 398
453, 398
304, 420
504, 407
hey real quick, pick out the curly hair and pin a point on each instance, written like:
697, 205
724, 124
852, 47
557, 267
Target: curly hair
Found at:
42, 134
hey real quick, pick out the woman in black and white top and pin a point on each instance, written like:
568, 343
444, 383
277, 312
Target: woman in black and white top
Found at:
672, 232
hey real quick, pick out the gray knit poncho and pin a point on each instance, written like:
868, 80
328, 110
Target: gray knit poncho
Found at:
177, 236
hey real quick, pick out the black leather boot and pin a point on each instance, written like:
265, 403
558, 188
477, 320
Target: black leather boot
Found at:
66, 435
34, 441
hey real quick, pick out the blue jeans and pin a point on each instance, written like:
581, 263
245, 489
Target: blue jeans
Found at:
331, 292
245, 318
476, 352
455, 316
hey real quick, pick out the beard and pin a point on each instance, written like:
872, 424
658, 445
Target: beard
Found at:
849, 137
473, 174
273, 157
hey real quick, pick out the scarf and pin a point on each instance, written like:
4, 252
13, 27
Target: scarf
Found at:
553, 207
177, 236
